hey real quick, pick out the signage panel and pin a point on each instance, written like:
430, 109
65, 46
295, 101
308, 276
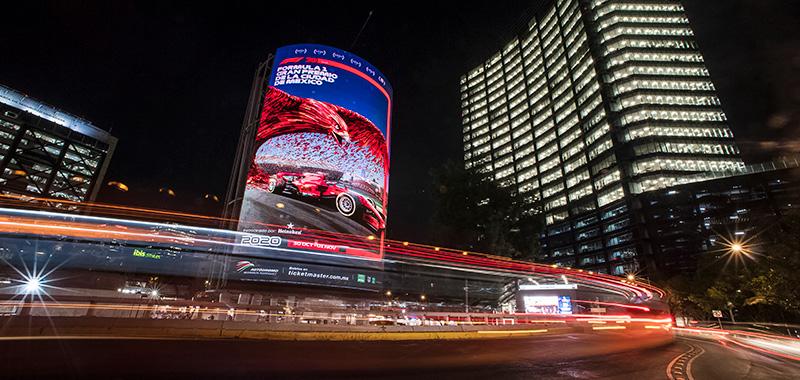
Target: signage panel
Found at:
320, 165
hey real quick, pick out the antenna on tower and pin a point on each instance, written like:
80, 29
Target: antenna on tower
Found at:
359, 32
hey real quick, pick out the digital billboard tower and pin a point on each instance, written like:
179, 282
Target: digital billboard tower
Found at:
320, 158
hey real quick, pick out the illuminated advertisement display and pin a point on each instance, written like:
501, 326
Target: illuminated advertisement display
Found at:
321, 157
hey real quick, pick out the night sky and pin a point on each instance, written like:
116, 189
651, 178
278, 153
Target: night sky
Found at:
171, 79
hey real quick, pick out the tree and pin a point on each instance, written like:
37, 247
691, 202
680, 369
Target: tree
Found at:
480, 215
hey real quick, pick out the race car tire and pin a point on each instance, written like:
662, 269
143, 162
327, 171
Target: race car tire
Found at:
276, 185
346, 204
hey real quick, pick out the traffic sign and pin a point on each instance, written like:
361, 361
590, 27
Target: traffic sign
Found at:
717, 313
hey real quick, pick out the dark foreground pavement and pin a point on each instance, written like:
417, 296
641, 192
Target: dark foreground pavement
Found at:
570, 356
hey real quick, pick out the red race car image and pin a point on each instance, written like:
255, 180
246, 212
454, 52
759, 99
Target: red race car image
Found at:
349, 202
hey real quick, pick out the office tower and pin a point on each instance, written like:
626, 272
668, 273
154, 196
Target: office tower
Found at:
589, 103
46, 152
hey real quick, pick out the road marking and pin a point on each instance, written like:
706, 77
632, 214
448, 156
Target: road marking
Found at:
680, 368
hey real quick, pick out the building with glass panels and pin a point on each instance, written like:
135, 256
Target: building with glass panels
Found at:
46, 152
594, 101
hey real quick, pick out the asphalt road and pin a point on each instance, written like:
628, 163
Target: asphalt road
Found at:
571, 356
301, 212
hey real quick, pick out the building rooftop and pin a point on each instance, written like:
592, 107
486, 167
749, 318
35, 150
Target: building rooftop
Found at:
38, 108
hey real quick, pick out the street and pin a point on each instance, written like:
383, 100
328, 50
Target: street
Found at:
609, 355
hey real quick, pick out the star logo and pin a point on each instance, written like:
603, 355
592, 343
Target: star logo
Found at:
290, 226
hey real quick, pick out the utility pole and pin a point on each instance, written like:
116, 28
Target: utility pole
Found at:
466, 295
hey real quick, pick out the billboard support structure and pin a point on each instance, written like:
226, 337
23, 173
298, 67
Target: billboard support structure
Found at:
244, 150
241, 164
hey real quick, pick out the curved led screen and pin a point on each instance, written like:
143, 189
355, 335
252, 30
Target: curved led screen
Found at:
321, 159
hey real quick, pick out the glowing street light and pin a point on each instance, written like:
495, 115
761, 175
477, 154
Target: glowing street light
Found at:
32, 285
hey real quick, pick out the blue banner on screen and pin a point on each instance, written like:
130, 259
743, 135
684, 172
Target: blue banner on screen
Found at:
321, 159
564, 305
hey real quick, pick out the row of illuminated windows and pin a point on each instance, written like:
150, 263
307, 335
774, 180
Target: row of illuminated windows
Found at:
588, 92
477, 105
504, 173
580, 193
524, 140
552, 190
547, 165
501, 141
650, 44
575, 163
693, 100
684, 148
505, 150
573, 34
498, 121
654, 57
529, 187
646, 131
543, 128
497, 77
587, 108
500, 131
549, 39
610, 195
659, 70
643, 19
585, 64
577, 178
686, 164
533, 62
556, 68
604, 164
603, 10
511, 45
543, 116
566, 112
687, 85
561, 102
526, 175
522, 153
632, 117
567, 125
588, 234
586, 80
545, 140
611, 177
547, 22
503, 162
515, 101
495, 59
569, 138
565, 86
600, 148
517, 132
550, 177
476, 115
555, 203
588, 247
475, 73
640, 31
526, 163
572, 150
556, 217
576, 45
546, 153
597, 133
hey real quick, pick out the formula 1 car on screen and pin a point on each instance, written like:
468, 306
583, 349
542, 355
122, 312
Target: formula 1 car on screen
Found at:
349, 203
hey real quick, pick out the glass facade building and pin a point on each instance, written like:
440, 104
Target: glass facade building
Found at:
592, 102
46, 152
